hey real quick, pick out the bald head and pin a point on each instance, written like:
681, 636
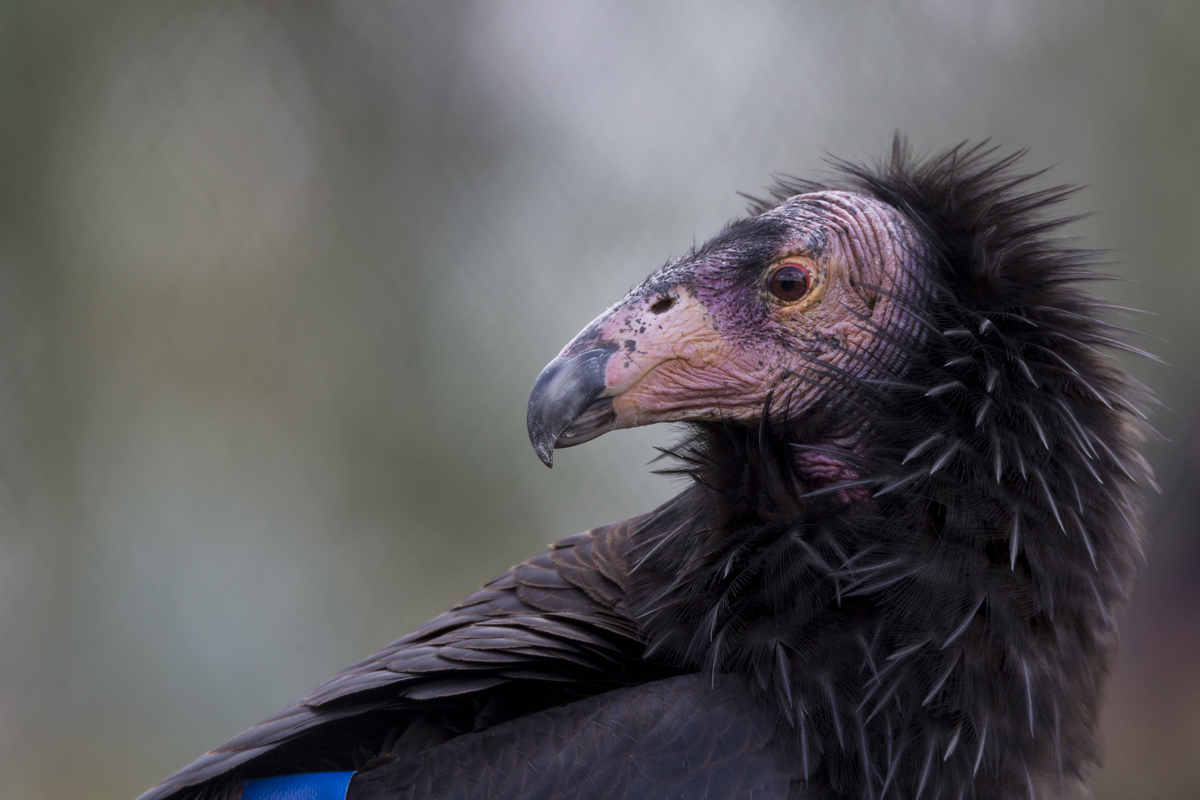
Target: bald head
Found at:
785, 305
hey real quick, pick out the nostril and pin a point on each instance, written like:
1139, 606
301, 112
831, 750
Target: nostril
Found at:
662, 304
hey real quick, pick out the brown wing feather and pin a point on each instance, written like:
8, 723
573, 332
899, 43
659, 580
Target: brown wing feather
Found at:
557, 620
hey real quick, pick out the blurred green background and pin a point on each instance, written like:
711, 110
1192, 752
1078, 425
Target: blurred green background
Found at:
275, 278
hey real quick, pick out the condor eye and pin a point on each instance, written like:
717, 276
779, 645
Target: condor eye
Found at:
789, 282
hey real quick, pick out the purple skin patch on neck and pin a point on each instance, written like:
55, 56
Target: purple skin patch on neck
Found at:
822, 469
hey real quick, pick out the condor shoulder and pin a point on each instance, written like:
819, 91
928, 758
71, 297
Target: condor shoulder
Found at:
549, 629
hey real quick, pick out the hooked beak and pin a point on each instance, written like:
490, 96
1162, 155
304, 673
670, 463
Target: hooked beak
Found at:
565, 405
653, 357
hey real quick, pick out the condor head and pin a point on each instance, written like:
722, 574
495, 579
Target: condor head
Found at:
775, 315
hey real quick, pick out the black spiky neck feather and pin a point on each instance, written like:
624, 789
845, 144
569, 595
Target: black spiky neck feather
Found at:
948, 634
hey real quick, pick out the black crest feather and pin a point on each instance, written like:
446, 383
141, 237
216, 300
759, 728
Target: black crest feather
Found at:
947, 633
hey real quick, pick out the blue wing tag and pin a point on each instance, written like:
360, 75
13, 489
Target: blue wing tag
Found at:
309, 786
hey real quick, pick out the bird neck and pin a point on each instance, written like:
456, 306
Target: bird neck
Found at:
929, 604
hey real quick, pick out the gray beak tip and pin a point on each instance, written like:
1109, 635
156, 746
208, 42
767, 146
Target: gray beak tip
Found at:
544, 447
542, 437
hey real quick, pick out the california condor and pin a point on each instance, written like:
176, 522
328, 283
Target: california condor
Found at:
912, 511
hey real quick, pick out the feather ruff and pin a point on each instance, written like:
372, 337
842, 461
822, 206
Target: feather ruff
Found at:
947, 635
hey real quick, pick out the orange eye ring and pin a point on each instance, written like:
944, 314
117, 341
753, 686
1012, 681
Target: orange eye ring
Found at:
789, 282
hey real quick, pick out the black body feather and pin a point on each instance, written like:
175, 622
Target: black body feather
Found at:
937, 625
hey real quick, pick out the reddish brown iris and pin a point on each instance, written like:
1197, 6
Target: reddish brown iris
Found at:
789, 282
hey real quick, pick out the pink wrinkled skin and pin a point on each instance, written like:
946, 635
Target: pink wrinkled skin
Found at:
692, 361
687, 352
